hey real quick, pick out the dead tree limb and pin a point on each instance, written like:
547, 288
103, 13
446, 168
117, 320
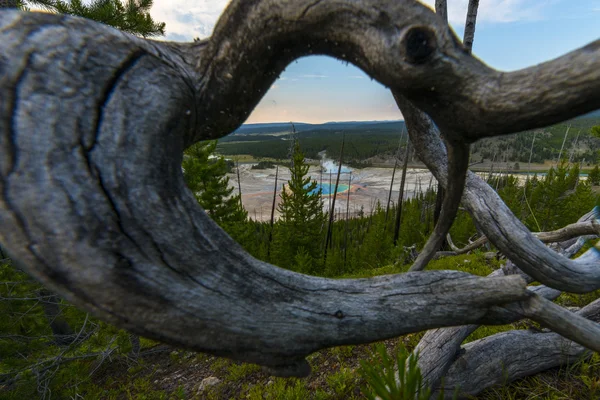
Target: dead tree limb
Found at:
504, 357
439, 348
575, 230
93, 123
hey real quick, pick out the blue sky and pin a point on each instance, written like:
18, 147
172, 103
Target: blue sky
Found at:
510, 34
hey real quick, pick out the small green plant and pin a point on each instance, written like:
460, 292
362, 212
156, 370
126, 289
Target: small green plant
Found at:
590, 375
397, 378
180, 393
287, 389
239, 371
394, 378
342, 382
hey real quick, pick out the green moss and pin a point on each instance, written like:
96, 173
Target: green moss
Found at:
236, 371
279, 388
342, 382
577, 300
220, 365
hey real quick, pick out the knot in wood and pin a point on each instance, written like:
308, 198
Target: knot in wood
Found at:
419, 44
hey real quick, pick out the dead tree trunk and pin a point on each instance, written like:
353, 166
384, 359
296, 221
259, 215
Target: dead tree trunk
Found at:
332, 210
401, 195
272, 220
470, 24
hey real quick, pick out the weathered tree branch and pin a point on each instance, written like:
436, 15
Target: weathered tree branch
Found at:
496, 220
575, 230
93, 123
504, 357
439, 348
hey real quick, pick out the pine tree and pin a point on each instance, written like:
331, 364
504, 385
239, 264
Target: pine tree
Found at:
594, 176
299, 230
131, 16
205, 176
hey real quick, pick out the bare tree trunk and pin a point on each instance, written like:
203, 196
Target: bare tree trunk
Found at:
272, 213
563, 144
441, 9
331, 211
387, 208
329, 196
470, 25
239, 183
347, 218
401, 194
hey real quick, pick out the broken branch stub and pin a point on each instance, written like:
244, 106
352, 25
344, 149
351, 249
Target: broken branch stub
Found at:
93, 123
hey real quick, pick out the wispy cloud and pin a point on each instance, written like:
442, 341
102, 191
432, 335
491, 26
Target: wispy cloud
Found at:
187, 20
356, 77
496, 10
312, 76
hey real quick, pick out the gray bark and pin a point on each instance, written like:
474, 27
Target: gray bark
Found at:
505, 357
589, 228
496, 220
93, 123
441, 9
469, 35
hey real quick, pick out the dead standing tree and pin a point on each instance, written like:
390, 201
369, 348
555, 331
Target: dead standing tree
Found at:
93, 123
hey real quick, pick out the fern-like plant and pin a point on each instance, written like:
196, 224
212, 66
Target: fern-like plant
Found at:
394, 378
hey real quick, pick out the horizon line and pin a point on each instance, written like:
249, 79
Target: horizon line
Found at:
322, 123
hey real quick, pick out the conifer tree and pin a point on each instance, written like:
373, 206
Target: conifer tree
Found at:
205, 176
131, 16
299, 231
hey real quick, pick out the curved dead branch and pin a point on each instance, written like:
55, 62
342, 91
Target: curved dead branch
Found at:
495, 219
575, 230
93, 123
504, 357
439, 348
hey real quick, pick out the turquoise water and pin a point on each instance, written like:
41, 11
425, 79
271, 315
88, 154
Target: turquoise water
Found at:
329, 189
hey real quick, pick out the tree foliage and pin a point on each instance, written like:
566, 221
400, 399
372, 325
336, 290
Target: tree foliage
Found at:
131, 16
297, 240
594, 175
205, 175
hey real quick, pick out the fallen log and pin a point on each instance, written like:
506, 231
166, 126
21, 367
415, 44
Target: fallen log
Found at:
507, 356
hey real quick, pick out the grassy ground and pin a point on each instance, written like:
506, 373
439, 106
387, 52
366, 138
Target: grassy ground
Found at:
165, 373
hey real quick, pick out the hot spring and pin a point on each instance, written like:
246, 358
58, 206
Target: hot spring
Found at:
329, 189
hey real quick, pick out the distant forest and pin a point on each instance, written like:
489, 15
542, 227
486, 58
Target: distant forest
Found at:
365, 140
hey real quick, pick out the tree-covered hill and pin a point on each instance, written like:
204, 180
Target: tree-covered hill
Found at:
366, 140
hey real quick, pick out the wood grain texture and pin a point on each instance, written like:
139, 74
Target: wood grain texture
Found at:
439, 348
588, 228
507, 356
93, 123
